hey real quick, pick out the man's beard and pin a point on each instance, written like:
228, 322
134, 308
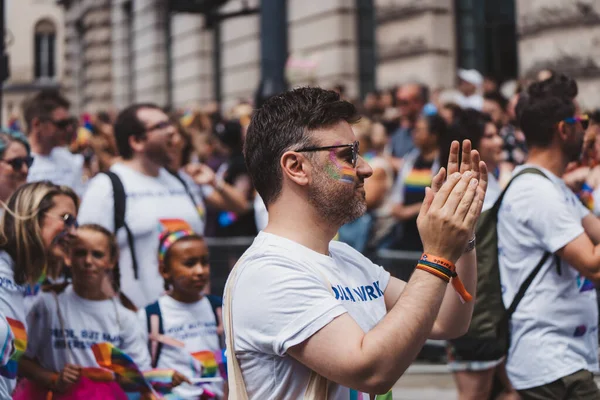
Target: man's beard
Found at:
336, 202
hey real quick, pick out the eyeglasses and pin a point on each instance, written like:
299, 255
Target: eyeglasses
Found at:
353, 146
63, 123
160, 126
68, 219
583, 119
18, 162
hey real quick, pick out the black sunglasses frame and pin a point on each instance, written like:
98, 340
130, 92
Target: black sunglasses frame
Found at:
160, 125
353, 146
17, 163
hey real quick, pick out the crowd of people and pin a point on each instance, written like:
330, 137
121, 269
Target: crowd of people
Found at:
104, 218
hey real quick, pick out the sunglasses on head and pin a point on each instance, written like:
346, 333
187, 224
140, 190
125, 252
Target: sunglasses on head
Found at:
353, 146
583, 119
18, 162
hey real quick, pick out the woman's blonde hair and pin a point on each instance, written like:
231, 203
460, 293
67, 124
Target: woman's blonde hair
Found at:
21, 227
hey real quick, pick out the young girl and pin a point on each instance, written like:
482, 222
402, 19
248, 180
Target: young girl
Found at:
188, 320
63, 327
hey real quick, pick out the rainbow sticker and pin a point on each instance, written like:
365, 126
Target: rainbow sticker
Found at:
20, 345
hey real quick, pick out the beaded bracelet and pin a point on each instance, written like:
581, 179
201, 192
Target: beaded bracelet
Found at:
445, 270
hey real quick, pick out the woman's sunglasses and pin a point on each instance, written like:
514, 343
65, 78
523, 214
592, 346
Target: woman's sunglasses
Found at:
18, 162
68, 219
353, 146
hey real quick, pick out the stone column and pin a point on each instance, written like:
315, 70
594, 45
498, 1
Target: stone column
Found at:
416, 42
563, 36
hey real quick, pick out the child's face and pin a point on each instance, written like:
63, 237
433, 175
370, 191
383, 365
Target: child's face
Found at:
188, 269
91, 258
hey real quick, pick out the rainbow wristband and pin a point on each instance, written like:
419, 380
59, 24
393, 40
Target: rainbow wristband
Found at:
445, 270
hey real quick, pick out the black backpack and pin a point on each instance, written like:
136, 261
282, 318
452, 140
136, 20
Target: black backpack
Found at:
119, 206
491, 320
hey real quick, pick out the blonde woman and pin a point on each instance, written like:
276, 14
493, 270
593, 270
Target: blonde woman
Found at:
38, 217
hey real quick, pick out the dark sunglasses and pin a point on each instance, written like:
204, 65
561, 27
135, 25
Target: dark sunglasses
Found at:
17, 163
583, 119
353, 146
63, 123
160, 126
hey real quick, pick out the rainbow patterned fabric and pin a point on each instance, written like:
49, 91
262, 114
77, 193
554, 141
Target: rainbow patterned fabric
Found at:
19, 341
171, 230
130, 377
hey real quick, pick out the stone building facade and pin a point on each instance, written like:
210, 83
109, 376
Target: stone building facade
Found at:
35, 45
564, 36
144, 54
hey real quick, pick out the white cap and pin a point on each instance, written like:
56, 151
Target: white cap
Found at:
471, 75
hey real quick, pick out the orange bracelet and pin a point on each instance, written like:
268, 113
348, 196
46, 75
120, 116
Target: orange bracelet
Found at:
459, 287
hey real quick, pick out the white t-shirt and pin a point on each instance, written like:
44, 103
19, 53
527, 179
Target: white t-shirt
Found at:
12, 313
86, 322
196, 326
281, 299
554, 330
60, 167
492, 193
261, 215
149, 199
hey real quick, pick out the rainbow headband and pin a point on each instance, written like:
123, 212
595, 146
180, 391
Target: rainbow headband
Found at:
172, 230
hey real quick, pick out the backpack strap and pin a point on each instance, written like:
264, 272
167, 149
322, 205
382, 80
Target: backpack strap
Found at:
525, 285
216, 302
154, 322
189, 192
119, 205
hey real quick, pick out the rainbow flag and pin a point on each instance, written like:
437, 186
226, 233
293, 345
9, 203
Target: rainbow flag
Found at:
19, 334
98, 374
212, 362
160, 379
129, 375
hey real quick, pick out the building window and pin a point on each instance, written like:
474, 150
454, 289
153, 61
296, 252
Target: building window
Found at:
45, 50
486, 37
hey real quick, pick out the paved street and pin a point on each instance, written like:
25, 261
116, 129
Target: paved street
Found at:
425, 382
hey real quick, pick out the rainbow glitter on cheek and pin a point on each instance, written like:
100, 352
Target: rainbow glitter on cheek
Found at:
339, 172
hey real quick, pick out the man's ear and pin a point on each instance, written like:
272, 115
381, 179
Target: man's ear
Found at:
136, 143
296, 167
564, 130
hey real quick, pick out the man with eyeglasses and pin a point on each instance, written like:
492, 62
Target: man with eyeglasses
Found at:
148, 143
545, 232
302, 311
48, 126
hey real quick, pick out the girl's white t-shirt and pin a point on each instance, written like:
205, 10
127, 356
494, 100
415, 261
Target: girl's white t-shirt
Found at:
281, 299
196, 326
13, 326
149, 199
86, 322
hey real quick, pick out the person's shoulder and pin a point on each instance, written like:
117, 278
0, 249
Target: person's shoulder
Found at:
128, 316
531, 185
6, 262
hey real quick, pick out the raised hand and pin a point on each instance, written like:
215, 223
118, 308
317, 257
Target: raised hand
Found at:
451, 207
201, 174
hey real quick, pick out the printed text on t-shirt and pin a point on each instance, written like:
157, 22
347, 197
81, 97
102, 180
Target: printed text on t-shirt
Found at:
360, 293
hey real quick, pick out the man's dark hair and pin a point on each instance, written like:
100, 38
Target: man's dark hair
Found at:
128, 124
543, 105
284, 123
497, 98
42, 105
